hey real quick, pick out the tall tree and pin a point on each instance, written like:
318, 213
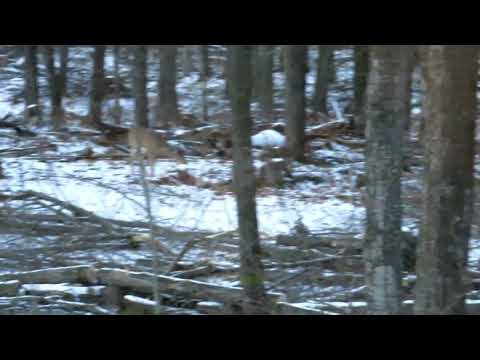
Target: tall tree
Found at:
204, 76
263, 83
167, 106
251, 269
64, 54
361, 59
117, 114
55, 87
386, 114
296, 68
140, 86
187, 60
98, 84
31, 83
226, 71
451, 75
325, 67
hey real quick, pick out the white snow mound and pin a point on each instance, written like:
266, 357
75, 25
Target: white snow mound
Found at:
269, 139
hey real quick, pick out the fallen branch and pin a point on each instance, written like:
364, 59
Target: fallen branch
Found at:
72, 274
9, 288
141, 282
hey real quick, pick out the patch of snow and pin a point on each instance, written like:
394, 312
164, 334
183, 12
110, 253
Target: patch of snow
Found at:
269, 139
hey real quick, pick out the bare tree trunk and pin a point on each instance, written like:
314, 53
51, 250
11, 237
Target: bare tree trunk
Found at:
264, 80
167, 107
251, 269
295, 68
116, 74
64, 54
281, 58
386, 115
360, 87
324, 70
55, 88
140, 86
98, 84
332, 70
226, 71
31, 84
412, 62
204, 76
187, 60
451, 75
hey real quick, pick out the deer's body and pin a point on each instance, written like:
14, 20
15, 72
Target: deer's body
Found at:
153, 144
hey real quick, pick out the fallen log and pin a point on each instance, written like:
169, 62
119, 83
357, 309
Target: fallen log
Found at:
354, 143
143, 282
330, 129
211, 307
134, 305
82, 293
9, 288
78, 306
6, 302
83, 274
111, 129
283, 308
308, 242
21, 131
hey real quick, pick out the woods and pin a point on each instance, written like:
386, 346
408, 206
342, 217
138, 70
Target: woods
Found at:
284, 179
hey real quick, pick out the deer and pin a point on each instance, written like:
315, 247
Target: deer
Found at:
154, 146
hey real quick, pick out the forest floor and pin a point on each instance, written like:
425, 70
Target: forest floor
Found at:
69, 201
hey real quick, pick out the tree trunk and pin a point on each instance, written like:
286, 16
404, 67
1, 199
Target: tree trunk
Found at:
360, 87
167, 107
251, 269
226, 71
64, 53
98, 84
281, 58
31, 84
140, 86
386, 115
55, 89
264, 80
324, 70
116, 74
451, 73
187, 60
295, 68
332, 70
411, 64
204, 76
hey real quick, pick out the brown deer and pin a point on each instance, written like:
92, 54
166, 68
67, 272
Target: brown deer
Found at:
154, 146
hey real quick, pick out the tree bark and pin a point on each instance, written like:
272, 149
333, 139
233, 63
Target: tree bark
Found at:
140, 86
451, 74
187, 60
55, 87
98, 81
264, 80
116, 75
64, 54
323, 78
204, 76
361, 56
295, 68
386, 114
251, 268
31, 83
167, 107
